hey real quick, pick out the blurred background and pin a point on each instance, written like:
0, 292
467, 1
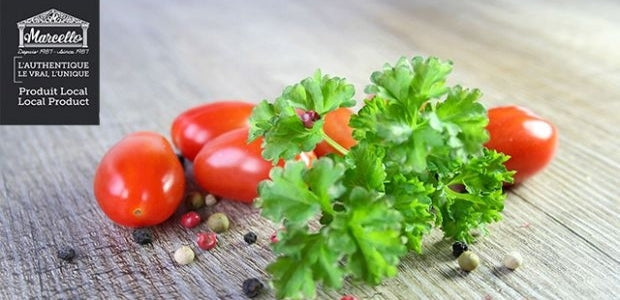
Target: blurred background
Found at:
197, 51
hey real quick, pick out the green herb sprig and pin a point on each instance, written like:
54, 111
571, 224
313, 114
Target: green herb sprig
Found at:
358, 214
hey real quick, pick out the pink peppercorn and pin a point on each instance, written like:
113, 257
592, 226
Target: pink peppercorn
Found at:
190, 219
348, 297
206, 240
274, 237
309, 117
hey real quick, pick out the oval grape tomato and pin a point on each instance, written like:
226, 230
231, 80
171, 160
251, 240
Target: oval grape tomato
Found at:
231, 168
529, 140
139, 181
195, 127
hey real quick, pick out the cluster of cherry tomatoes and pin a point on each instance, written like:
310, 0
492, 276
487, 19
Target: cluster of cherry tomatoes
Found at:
141, 182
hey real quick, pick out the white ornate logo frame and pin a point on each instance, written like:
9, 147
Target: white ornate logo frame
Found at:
52, 18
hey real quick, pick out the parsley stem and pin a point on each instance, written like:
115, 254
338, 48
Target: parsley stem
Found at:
463, 196
334, 144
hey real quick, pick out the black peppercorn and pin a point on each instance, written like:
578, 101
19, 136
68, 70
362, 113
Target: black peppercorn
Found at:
142, 236
250, 238
458, 248
252, 287
66, 253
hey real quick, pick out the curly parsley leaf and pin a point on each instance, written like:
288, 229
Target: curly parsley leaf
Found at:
296, 193
463, 119
481, 202
410, 83
282, 129
288, 137
305, 260
368, 232
365, 167
365, 122
262, 119
417, 139
412, 198
320, 93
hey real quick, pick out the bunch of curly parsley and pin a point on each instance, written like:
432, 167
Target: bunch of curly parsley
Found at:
358, 213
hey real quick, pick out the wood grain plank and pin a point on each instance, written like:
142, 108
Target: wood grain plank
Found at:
159, 58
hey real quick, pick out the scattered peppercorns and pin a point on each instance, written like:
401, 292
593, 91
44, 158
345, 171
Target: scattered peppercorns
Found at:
252, 287
250, 238
66, 253
210, 200
190, 219
142, 236
206, 240
195, 200
458, 248
468, 261
218, 222
184, 255
513, 260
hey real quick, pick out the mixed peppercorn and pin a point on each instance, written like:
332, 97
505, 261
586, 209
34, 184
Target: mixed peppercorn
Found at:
513, 260
468, 261
184, 255
142, 236
252, 287
190, 219
219, 222
250, 238
66, 253
206, 240
458, 248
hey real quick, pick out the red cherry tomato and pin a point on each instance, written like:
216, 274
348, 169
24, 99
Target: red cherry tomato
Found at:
231, 168
337, 127
195, 127
140, 181
529, 140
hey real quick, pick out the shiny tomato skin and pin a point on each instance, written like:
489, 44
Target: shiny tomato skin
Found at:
195, 127
231, 168
140, 181
337, 127
530, 140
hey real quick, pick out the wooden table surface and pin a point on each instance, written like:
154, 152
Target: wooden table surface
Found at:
158, 58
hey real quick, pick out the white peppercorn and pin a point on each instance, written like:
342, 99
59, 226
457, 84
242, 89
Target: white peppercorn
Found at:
468, 261
210, 200
184, 255
513, 260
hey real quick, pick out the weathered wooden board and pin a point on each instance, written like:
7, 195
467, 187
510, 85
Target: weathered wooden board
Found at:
560, 58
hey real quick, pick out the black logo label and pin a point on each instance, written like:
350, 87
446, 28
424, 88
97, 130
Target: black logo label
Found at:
49, 62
